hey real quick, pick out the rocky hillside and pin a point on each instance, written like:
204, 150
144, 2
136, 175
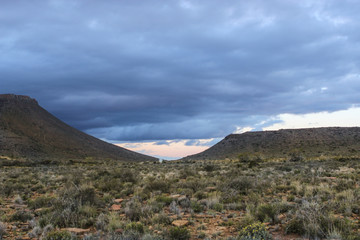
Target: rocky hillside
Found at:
309, 143
27, 131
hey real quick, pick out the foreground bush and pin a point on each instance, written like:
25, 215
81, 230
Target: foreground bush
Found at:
314, 221
179, 233
2, 229
20, 216
58, 235
254, 231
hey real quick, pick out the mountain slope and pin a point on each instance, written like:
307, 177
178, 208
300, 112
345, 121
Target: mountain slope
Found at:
309, 142
29, 131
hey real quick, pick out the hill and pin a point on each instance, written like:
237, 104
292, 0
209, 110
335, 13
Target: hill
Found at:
27, 131
308, 142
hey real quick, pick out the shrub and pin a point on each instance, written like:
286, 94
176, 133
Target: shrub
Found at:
18, 200
164, 199
296, 156
311, 220
174, 208
41, 202
253, 163
241, 184
86, 195
35, 232
201, 235
296, 226
209, 168
217, 207
127, 175
135, 227
2, 229
244, 157
157, 185
74, 207
254, 231
186, 172
184, 202
179, 233
291, 198
133, 210
58, 235
196, 207
192, 183
101, 222
20, 216
150, 237
161, 218
264, 211
114, 222
200, 195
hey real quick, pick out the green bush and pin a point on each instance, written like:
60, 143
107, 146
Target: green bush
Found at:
254, 231
135, 227
179, 233
296, 226
58, 235
296, 156
209, 168
157, 185
164, 199
40, 202
265, 211
196, 207
241, 184
314, 221
127, 175
161, 218
217, 207
200, 195
133, 210
20, 216
102, 222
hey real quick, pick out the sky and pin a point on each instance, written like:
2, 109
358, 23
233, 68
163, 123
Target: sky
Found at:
171, 78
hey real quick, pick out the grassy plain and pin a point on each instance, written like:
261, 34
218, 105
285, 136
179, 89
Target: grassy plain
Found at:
317, 199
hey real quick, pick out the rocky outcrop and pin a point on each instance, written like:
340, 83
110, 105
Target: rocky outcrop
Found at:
308, 143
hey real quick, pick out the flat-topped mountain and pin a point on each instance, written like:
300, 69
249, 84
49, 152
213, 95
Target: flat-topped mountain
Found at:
308, 142
29, 131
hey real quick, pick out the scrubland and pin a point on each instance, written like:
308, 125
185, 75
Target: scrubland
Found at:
230, 199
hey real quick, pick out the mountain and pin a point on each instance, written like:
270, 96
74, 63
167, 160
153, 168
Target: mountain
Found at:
307, 142
29, 131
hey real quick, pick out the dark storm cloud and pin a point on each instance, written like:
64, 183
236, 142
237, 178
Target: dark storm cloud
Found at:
121, 70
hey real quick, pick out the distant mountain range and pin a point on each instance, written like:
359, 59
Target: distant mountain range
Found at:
27, 131
308, 143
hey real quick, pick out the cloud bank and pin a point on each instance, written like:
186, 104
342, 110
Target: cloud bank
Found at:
162, 70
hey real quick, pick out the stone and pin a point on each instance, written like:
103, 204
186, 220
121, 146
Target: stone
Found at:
210, 189
119, 200
115, 207
175, 196
77, 230
180, 223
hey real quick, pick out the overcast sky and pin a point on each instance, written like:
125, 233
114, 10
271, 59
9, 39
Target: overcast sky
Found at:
164, 70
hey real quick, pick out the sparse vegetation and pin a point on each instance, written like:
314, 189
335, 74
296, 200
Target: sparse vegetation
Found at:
178, 200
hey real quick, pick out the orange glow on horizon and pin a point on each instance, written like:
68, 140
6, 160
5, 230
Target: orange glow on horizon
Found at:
173, 149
